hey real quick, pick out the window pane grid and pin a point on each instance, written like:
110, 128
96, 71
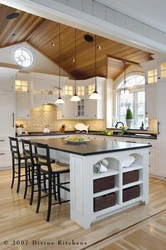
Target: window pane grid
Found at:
134, 100
21, 86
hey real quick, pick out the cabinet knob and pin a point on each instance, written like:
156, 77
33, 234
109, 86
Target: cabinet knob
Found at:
146, 113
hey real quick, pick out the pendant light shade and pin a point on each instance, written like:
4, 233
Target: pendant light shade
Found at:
95, 95
59, 100
124, 91
75, 97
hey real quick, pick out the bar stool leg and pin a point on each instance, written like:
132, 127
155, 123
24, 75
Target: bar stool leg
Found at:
58, 188
13, 173
19, 175
26, 181
39, 190
49, 199
32, 186
54, 186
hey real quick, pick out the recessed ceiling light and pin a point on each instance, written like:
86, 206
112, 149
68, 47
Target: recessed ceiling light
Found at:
99, 47
88, 38
13, 15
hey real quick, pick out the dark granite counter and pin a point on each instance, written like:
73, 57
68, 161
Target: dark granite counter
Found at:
116, 134
91, 147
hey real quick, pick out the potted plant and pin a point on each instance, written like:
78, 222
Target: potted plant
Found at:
129, 118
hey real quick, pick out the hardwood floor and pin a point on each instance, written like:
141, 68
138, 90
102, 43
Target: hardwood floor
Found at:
139, 228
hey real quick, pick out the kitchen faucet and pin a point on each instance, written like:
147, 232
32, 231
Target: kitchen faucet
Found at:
118, 123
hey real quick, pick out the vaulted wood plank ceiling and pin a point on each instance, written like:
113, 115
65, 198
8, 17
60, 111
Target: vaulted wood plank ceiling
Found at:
41, 34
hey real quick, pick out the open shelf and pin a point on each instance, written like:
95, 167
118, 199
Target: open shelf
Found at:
107, 210
131, 168
134, 200
132, 184
109, 172
112, 190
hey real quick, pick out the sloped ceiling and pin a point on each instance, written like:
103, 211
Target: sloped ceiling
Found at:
41, 34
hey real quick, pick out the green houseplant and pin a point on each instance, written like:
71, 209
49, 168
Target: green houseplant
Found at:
129, 118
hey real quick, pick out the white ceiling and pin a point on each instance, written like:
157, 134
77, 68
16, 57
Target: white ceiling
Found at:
151, 12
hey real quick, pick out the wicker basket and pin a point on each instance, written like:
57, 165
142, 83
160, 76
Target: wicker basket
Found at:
104, 201
130, 177
131, 193
103, 184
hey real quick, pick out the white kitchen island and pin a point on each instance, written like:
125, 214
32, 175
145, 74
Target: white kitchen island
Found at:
124, 187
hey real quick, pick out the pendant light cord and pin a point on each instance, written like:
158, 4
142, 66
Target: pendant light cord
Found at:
124, 74
75, 61
59, 60
95, 66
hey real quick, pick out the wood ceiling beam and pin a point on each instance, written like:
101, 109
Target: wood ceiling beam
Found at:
122, 60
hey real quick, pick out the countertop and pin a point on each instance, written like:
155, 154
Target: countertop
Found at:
116, 134
91, 147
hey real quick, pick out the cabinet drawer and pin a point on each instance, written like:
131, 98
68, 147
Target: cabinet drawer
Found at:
4, 142
133, 140
151, 142
5, 158
130, 177
103, 184
131, 193
104, 201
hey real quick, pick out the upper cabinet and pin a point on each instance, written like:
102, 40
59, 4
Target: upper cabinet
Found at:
22, 96
7, 79
85, 108
45, 88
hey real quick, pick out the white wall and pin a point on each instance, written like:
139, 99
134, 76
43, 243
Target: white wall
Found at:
41, 65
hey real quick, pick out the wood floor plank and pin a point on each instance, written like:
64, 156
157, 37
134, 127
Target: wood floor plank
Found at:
20, 223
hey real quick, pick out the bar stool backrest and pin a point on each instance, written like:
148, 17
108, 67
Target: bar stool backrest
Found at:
14, 146
42, 153
27, 151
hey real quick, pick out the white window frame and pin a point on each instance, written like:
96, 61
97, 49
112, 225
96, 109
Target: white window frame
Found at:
134, 90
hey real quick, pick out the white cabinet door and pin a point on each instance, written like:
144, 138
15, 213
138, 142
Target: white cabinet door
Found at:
151, 100
22, 106
161, 167
7, 114
69, 110
6, 81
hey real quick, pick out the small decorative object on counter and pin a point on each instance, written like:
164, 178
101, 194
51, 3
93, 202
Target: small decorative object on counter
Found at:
107, 132
101, 166
62, 128
142, 126
81, 127
46, 129
126, 162
129, 118
124, 129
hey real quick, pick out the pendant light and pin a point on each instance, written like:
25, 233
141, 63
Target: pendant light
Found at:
59, 100
75, 97
124, 91
95, 95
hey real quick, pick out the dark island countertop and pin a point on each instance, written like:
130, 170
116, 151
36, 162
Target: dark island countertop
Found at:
91, 147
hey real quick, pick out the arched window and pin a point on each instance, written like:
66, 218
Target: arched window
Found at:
135, 100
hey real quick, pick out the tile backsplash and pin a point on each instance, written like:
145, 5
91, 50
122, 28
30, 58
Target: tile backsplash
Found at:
47, 115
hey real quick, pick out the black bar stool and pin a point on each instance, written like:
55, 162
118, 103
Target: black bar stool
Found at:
31, 169
18, 160
52, 172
